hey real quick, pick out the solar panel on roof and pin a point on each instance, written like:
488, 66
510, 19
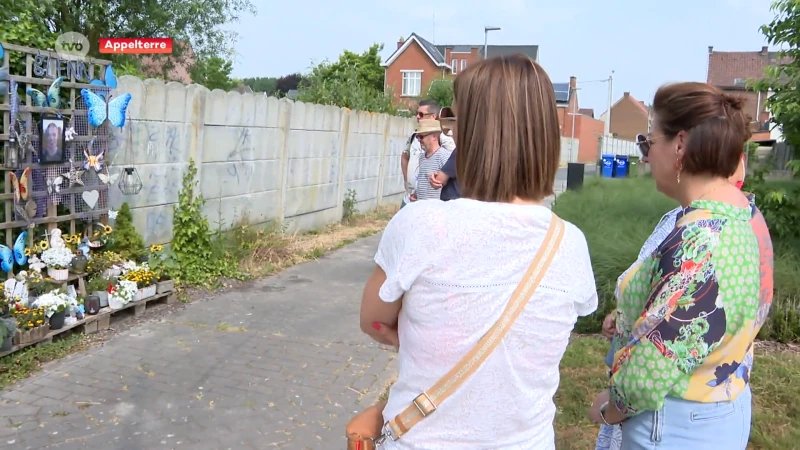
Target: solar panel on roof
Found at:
561, 91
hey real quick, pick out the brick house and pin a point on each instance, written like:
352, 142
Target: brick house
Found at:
416, 63
732, 71
629, 117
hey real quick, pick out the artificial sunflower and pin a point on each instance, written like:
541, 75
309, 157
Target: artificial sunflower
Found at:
44, 245
68, 239
156, 248
27, 251
107, 229
76, 238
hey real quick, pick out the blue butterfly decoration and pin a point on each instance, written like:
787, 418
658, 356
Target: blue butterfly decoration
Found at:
110, 82
53, 97
99, 110
8, 257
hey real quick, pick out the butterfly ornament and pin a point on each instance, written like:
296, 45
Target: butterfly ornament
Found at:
4, 74
54, 185
99, 110
27, 212
90, 161
110, 82
21, 185
8, 256
108, 178
50, 100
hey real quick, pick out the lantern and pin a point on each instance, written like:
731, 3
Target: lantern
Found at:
130, 183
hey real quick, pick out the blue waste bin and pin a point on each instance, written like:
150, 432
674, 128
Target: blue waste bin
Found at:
607, 171
621, 171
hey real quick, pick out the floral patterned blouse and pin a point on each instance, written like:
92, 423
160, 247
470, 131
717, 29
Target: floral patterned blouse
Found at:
687, 315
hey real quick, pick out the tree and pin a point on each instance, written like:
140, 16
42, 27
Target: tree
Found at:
442, 92
199, 23
287, 83
125, 240
366, 67
213, 72
261, 84
783, 78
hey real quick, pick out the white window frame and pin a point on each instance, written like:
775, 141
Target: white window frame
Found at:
454, 65
411, 76
463, 65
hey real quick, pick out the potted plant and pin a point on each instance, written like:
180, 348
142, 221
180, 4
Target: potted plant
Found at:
98, 286
163, 265
55, 305
57, 260
121, 294
31, 323
8, 328
145, 280
37, 285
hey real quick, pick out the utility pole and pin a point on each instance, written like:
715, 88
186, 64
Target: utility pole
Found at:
486, 31
573, 114
607, 123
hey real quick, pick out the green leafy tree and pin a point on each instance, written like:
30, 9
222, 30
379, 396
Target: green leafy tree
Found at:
784, 77
261, 84
354, 81
213, 72
287, 83
365, 67
125, 240
442, 92
202, 24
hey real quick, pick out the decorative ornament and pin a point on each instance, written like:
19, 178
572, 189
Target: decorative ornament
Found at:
112, 214
69, 134
35, 264
99, 110
20, 185
8, 257
24, 141
74, 176
11, 154
130, 183
91, 198
94, 162
110, 82
54, 185
108, 178
27, 212
53, 97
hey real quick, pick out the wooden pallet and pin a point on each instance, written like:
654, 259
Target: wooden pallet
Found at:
100, 321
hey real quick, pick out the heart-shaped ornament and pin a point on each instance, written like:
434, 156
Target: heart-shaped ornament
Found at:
91, 198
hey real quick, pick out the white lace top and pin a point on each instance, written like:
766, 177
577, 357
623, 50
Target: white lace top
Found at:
456, 264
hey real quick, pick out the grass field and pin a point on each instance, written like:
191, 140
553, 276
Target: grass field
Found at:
617, 216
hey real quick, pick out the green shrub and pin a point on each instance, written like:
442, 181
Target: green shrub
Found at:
125, 240
617, 216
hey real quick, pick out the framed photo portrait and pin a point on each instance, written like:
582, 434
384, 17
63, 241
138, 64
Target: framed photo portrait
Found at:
51, 136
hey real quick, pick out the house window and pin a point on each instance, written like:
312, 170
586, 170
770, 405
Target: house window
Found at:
454, 65
412, 83
463, 64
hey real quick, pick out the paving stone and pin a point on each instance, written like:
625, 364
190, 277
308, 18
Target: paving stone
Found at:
290, 379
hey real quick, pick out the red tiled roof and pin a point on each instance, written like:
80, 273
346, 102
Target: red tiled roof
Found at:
724, 68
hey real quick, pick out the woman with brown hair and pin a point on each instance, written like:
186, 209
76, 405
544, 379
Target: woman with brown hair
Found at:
687, 314
477, 367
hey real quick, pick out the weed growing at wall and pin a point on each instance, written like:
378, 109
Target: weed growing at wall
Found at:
349, 206
201, 259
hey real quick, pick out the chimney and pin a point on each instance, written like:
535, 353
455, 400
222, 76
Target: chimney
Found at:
400, 42
764, 50
626, 94
710, 49
573, 82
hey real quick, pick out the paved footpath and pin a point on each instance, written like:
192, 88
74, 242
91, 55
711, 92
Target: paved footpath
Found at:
278, 363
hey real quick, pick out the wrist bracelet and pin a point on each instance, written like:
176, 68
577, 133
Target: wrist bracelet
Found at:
603, 408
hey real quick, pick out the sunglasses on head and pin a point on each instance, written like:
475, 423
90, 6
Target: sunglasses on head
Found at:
644, 143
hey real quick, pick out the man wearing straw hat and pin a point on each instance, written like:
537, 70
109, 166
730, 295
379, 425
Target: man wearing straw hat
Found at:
432, 160
409, 160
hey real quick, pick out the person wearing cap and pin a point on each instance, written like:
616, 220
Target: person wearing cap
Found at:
432, 160
445, 179
428, 109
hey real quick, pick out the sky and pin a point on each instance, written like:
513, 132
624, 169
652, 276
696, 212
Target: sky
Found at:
646, 43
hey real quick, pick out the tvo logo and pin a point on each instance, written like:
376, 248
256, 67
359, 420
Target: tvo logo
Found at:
72, 46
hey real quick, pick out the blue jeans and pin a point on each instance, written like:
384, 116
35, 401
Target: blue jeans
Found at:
681, 424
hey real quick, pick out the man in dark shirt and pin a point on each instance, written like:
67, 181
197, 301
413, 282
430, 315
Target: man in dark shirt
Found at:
446, 178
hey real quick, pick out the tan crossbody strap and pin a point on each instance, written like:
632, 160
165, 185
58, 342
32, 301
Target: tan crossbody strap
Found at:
427, 402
